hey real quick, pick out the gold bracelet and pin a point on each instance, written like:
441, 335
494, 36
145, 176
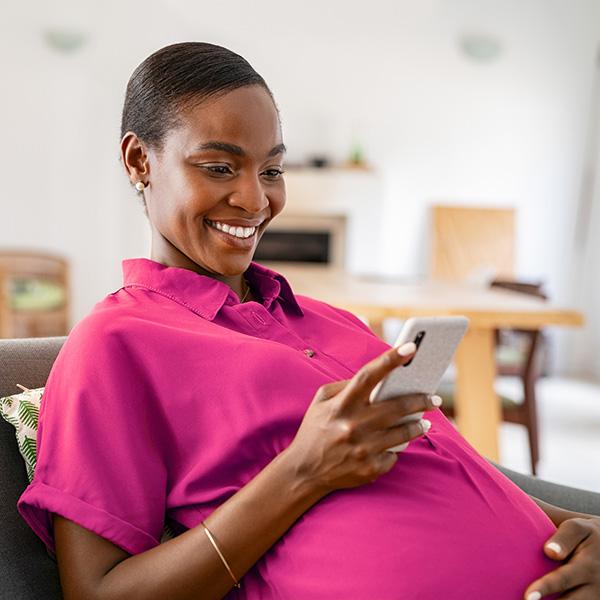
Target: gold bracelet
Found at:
212, 541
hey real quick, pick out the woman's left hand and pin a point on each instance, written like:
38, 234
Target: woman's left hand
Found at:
579, 578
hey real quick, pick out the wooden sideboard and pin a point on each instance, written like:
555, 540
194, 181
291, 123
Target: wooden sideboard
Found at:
18, 267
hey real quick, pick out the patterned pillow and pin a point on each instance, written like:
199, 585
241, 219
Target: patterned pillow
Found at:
22, 412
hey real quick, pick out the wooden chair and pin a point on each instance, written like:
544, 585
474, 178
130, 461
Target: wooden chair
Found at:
34, 294
524, 365
471, 243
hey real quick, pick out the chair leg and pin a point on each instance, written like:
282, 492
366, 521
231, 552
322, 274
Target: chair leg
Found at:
532, 418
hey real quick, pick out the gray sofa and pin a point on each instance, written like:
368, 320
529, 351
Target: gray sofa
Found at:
26, 570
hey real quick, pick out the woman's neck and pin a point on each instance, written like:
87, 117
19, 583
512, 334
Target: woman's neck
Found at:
235, 282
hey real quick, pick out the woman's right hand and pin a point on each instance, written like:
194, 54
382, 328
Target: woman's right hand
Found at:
343, 438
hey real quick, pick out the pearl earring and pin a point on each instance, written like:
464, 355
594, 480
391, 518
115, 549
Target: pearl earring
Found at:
140, 186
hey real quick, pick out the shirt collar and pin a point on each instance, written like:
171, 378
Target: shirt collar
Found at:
202, 294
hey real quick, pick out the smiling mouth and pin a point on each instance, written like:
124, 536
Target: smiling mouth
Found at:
236, 232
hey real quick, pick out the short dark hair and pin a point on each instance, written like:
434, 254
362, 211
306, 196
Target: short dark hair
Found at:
176, 77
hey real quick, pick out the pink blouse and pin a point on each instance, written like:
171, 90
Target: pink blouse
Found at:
171, 395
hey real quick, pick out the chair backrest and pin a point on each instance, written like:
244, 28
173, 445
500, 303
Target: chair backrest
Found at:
528, 369
21, 266
26, 570
468, 242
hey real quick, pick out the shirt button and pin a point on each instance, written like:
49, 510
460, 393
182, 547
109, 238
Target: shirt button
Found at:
310, 353
258, 318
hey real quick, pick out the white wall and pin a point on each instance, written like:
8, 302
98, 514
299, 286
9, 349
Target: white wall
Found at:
438, 126
586, 344
583, 345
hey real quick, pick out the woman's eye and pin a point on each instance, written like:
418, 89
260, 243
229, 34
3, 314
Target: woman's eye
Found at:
217, 169
274, 173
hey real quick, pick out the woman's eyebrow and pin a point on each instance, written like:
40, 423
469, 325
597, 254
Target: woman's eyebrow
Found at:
279, 149
237, 150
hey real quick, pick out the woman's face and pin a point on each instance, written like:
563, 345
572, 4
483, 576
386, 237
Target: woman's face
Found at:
221, 168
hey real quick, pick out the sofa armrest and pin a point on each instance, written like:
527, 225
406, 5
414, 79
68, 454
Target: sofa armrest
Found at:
569, 498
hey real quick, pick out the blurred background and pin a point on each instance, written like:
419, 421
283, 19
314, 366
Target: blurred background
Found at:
389, 109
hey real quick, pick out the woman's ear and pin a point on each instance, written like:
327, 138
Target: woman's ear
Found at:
135, 158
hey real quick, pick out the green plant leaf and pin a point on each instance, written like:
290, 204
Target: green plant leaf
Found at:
13, 421
30, 471
28, 449
29, 413
8, 401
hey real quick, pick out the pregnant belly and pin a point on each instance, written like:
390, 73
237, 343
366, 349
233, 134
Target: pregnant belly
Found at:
442, 524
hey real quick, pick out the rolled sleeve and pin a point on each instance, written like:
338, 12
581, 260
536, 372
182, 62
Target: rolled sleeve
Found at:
100, 445
40, 500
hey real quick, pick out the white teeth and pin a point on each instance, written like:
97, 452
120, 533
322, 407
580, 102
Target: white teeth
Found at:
240, 232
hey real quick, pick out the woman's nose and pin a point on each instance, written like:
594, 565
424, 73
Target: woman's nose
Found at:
249, 195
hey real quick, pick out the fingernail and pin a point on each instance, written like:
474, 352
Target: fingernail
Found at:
534, 596
554, 547
425, 425
406, 349
436, 400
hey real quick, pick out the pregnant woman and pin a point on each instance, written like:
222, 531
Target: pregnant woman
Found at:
205, 394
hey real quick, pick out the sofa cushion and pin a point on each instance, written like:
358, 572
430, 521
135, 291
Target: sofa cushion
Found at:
22, 412
26, 572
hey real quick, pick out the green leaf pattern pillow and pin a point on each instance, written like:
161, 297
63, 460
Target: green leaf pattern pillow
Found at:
22, 412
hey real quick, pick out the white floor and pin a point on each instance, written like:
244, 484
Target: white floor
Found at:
569, 421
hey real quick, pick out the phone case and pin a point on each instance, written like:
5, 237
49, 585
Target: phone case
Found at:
437, 339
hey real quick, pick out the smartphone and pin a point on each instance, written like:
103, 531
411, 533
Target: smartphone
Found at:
436, 339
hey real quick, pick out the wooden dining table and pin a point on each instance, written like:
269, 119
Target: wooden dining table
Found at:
376, 298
